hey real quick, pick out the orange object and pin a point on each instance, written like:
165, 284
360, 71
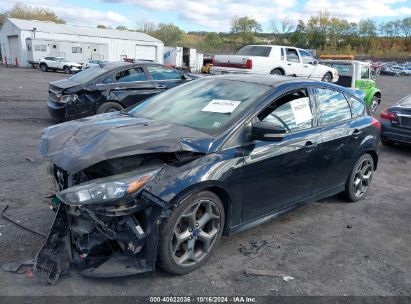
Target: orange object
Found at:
29, 273
134, 186
342, 57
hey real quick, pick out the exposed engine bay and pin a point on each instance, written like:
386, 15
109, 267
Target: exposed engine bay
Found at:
106, 239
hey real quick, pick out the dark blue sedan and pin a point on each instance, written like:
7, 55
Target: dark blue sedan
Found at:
396, 123
161, 183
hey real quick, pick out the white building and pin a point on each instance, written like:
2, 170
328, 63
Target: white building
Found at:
182, 57
25, 41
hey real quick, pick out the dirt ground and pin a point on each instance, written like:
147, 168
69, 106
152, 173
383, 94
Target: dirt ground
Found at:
313, 244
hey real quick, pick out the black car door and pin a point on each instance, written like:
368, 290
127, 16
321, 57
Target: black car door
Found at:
131, 86
164, 78
281, 173
342, 136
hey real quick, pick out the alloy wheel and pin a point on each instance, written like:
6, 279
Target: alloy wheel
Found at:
195, 233
111, 109
374, 105
362, 178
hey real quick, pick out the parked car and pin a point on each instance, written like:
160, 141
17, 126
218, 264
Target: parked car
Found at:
396, 122
93, 63
58, 63
358, 75
217, 155
110, 87
273, 59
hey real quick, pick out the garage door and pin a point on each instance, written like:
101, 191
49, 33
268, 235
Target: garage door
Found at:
146, 52
14, 50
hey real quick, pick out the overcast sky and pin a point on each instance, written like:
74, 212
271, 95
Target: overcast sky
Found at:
213, 15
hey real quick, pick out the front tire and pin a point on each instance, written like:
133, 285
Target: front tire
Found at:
190, 235
374, 104
67, 70
359, 181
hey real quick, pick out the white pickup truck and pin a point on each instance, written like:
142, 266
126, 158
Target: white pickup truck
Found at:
273, 59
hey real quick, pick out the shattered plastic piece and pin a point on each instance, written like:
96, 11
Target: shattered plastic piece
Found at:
29, 273
17, 267
287, 278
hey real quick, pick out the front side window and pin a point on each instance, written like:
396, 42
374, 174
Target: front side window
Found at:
131, 75
204, 104
357, 107
161, 73
292, 55
306, 57
333, 106
365, 72
292, 111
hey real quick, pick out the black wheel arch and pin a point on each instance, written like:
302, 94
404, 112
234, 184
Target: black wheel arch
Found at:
279, 69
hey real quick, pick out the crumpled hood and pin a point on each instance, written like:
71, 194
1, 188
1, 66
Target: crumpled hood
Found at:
78, 144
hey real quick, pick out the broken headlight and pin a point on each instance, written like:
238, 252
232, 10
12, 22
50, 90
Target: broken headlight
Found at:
114, 189
68, 98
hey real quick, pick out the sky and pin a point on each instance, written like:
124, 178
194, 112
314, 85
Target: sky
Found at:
214, 15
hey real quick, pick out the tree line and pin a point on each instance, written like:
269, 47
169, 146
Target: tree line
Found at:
323, 32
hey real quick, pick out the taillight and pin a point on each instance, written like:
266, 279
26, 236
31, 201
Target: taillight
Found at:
249, 64
375, 123
388, 115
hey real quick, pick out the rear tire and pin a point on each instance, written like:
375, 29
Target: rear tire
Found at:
374, 104
67, 70
43, 67
359, 181
189, 236
109, 107
276, 72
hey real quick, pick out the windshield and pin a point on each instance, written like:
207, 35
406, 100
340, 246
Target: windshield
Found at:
344, 69
89, 74
204, 104
252, 50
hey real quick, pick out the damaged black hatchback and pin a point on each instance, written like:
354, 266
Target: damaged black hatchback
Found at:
161, 183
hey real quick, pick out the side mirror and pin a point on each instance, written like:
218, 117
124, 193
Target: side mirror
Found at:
267, 131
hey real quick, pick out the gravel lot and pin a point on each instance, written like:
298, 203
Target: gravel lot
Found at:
312, 244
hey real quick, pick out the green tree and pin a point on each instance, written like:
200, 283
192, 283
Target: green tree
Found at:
122, 28
101, 26
170, 34
367, 28
299, 36
245, 28
211, 42
22, 11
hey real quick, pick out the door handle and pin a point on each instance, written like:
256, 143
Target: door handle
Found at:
288, 63
159, 86
309, 146
356, 133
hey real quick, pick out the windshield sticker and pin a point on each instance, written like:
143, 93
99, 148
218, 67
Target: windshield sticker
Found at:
301, 110
221, 106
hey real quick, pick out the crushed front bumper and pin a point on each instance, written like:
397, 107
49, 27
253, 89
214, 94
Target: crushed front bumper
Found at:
108, 241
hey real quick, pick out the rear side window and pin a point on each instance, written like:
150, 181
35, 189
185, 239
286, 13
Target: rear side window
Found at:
333, 106
130, 75
253, 50
161, 73
357, 107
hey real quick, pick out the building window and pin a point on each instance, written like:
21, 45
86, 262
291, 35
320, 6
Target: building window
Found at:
40, 48
54, 46
78, 50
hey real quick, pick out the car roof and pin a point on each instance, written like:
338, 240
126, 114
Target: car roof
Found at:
120, 64
344, 61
